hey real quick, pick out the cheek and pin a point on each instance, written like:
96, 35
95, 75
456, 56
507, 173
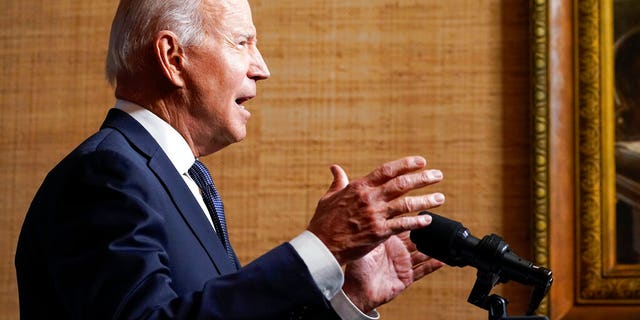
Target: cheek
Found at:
237, 65
222, 78
236, 75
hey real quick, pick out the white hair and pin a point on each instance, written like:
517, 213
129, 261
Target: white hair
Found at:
137, 22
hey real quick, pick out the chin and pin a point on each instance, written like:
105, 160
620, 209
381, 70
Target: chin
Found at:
238, 136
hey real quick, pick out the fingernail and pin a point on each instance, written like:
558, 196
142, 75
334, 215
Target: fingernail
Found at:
420, 161
439, 198
436, 174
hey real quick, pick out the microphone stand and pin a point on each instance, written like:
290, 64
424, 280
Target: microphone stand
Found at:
497, 305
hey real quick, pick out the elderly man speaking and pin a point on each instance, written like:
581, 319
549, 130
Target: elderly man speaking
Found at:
130, 225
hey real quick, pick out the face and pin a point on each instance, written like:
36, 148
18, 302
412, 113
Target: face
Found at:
221, 75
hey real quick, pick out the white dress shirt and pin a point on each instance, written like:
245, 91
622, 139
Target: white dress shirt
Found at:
324, 269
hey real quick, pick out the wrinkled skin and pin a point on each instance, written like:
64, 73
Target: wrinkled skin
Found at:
386, 271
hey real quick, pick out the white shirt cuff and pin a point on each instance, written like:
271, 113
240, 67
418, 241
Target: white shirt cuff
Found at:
327, 274
323, 266
343, 306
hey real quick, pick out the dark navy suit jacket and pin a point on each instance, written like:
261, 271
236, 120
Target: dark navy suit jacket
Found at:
115, 233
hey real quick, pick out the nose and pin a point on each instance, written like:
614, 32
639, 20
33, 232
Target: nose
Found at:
258, 69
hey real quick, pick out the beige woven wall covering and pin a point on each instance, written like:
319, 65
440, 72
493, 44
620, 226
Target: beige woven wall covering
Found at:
355, 82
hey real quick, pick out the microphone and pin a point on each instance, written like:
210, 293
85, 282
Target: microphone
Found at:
450, 242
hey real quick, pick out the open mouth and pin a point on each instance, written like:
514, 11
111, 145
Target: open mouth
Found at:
242, 100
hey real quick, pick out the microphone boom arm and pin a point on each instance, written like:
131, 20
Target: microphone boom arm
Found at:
497, 305
487, 277
450, 242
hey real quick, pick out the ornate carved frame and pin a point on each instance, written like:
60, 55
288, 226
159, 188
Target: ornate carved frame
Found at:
601, 279
540, 125
597, 280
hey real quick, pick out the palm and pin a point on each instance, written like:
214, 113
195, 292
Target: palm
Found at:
386, 271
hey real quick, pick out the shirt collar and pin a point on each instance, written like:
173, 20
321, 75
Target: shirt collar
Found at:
169, 139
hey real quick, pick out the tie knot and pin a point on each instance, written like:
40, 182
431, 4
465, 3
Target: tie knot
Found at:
200, 174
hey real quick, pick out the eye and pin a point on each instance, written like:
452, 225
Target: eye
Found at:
242, 44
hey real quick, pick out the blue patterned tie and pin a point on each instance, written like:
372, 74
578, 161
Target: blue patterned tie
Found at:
202, 178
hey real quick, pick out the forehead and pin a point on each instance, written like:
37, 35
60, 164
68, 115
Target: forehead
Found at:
230, 15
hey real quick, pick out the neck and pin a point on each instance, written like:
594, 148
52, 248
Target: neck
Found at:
165, 102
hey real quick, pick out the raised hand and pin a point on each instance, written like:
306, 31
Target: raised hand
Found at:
353, 218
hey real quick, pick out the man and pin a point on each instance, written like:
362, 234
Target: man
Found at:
129, 225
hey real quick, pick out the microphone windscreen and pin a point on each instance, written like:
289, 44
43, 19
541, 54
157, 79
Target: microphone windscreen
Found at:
436, 239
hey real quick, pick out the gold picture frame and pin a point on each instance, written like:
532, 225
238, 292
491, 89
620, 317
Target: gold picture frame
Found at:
573, 161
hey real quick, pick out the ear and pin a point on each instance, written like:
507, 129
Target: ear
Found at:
170, 56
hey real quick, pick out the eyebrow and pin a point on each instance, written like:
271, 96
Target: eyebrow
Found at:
244, 31
246, 34
251, 36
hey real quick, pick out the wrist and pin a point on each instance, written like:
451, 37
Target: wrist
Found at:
347, 310
356, 296
335, 252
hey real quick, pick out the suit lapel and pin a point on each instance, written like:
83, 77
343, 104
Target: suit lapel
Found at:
175, 186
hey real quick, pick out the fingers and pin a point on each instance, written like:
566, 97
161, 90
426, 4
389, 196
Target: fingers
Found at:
422, 264
417, 257
426, 268
405, 223
402, 184
395, 178
395, 168
415, 203
340, 179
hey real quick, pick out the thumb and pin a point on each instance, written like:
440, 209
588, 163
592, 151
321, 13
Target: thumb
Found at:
340, 179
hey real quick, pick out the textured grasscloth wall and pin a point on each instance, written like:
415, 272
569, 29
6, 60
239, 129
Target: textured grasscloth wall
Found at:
354, 82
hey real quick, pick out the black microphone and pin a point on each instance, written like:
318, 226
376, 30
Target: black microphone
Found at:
450, 242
